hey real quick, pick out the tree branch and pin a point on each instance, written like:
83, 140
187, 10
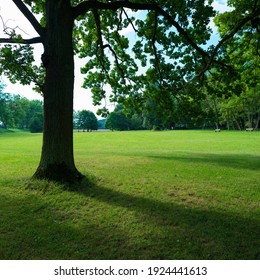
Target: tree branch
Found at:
231, 34
35, 40
100, 42
85, 6
31, 18
130, 21
239, 25
157, 63
116, 59
209, 59
99, 31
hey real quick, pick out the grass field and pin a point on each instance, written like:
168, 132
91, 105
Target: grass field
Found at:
148, 195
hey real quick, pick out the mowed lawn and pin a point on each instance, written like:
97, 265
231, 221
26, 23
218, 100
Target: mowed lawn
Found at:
147, 195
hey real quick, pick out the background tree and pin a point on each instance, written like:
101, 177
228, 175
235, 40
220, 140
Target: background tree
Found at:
86, 120
36, 124
19, 112
6, 117
124, 119
239, 93
156, 116
169, 39
241, 111
117, 120
34, 109
76, 120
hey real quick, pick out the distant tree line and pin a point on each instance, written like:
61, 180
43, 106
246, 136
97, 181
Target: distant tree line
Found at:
19, 112
210, 109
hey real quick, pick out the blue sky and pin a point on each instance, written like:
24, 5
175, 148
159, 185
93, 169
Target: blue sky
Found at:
82, 99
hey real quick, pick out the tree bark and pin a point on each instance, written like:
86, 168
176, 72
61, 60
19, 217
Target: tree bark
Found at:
228, 121
257, 121
57, 159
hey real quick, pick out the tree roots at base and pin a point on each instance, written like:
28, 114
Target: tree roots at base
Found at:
59, 173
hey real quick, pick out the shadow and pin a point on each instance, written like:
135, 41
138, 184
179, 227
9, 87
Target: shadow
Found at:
32, 227
232, 161
109, 224
238, 237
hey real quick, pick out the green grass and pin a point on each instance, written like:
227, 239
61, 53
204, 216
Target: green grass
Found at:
148, 195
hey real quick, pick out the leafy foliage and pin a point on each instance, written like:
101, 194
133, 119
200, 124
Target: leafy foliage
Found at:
159, 46
19, 112
5, 113
85, 120
242, 107
16, 62
36, 124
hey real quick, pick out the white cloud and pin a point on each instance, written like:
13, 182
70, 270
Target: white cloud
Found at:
222, 2
221, 6
127, 30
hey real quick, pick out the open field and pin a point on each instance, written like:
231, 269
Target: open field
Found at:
148, 195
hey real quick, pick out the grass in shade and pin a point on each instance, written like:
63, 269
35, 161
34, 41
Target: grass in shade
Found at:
147, 195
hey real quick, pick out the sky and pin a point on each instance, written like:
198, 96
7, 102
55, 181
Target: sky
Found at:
82, 97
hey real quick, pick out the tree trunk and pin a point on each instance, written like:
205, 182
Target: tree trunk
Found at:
250, 120
216, 114
228, 121
57, 160
257, 121
238, 125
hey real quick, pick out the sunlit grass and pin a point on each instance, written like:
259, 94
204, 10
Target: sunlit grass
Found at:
147, 195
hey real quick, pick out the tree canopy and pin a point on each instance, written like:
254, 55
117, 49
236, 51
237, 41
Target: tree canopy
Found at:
170, 43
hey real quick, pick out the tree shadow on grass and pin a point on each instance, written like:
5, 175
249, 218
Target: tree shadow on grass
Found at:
122, 226
194, 233
243, 161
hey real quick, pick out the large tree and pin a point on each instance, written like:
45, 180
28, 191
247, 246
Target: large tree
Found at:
171, 35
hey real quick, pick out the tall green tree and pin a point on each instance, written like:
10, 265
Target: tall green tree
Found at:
17, 111
242, 107
170, 39
33, 109
6, 117
118, 120
86, 120
124, 119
